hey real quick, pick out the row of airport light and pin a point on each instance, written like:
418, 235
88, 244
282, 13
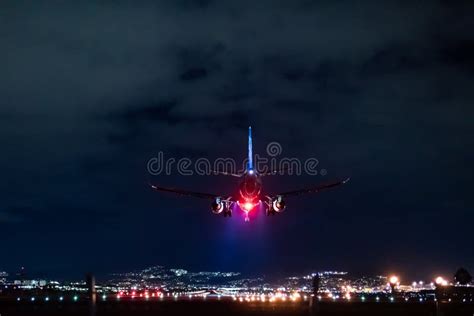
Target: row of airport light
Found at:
75, 298
439, 281
394, 281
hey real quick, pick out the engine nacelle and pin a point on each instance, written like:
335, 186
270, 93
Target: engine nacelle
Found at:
219, 206
276, 205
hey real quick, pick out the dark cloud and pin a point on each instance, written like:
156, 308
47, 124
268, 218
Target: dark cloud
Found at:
158, 112
459, 53
193, 74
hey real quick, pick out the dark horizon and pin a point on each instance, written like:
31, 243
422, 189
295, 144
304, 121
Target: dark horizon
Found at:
379, 92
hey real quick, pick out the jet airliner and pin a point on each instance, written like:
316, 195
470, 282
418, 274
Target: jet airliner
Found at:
250, 191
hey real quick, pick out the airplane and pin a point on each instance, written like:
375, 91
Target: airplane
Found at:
250, 191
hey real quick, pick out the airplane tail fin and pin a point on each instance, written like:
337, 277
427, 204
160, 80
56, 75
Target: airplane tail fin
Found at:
250, 152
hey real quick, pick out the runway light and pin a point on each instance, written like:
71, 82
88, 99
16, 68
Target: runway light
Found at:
46, 299
61, 298
32, 299
75, 298
18, 299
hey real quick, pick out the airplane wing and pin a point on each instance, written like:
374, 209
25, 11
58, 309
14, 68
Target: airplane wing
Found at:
224, 173
184, 192
275, 172
315, 189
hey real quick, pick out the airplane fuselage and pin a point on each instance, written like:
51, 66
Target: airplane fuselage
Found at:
250, 188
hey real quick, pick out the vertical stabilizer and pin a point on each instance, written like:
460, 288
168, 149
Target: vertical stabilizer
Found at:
250, 152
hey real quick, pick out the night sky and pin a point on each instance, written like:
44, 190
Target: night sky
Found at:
380, 91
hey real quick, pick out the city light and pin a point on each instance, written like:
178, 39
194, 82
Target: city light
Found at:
336, 288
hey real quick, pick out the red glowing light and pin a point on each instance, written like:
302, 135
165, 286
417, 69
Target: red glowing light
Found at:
248, 206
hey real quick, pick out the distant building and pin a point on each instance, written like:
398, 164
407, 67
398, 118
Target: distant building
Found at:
179, 272
30, 284
3, 277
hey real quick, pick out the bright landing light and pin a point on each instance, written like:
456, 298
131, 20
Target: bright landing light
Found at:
248, 206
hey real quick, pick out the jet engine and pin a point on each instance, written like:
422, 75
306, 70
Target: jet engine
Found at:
220, 206
275, 205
